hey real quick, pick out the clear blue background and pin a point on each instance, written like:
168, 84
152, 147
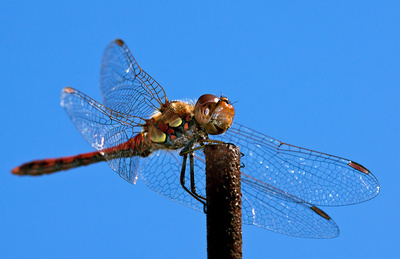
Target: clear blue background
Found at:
315, 74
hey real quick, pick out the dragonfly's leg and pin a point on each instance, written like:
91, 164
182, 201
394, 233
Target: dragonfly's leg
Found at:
183, 170
213, 141
189, 149
192, 179
183, 182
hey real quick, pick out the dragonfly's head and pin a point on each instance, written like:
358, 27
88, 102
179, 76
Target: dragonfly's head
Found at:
214, 114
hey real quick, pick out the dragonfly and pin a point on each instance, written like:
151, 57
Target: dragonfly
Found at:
141, 133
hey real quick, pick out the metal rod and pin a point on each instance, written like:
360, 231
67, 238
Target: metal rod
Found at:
224, 201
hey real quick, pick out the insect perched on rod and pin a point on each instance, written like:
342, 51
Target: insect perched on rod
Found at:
138, 129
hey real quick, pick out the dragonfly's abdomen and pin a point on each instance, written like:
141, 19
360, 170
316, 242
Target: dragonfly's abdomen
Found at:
52, 165
136, 146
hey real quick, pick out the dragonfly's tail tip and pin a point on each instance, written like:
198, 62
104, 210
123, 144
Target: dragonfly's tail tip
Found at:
23, 170
68, 90
17, 171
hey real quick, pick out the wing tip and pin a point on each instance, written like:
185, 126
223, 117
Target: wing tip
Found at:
320, 212
119, 42
359, 167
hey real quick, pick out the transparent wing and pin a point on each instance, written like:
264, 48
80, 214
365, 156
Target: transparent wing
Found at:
161, 172
283, 213
274, 209
311, 176
264, 207
126, 87
104, 128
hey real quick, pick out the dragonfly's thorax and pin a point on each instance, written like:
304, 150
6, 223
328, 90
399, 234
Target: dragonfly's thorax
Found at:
173, 127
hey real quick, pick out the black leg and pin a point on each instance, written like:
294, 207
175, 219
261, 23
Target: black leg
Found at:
193, 184
192, 179
183, 171
188, 149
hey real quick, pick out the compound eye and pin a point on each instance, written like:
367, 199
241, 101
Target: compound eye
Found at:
206, 99
205, 107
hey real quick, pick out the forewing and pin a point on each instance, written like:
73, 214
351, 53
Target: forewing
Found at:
311, 176
103, 128
126, 87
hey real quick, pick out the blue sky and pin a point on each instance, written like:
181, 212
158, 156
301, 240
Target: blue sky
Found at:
314, 74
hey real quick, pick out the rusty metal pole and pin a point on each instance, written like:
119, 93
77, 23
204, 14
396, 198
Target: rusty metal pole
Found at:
224, 201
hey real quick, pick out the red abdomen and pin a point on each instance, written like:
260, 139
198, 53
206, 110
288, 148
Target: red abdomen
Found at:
137, 146
52, 165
